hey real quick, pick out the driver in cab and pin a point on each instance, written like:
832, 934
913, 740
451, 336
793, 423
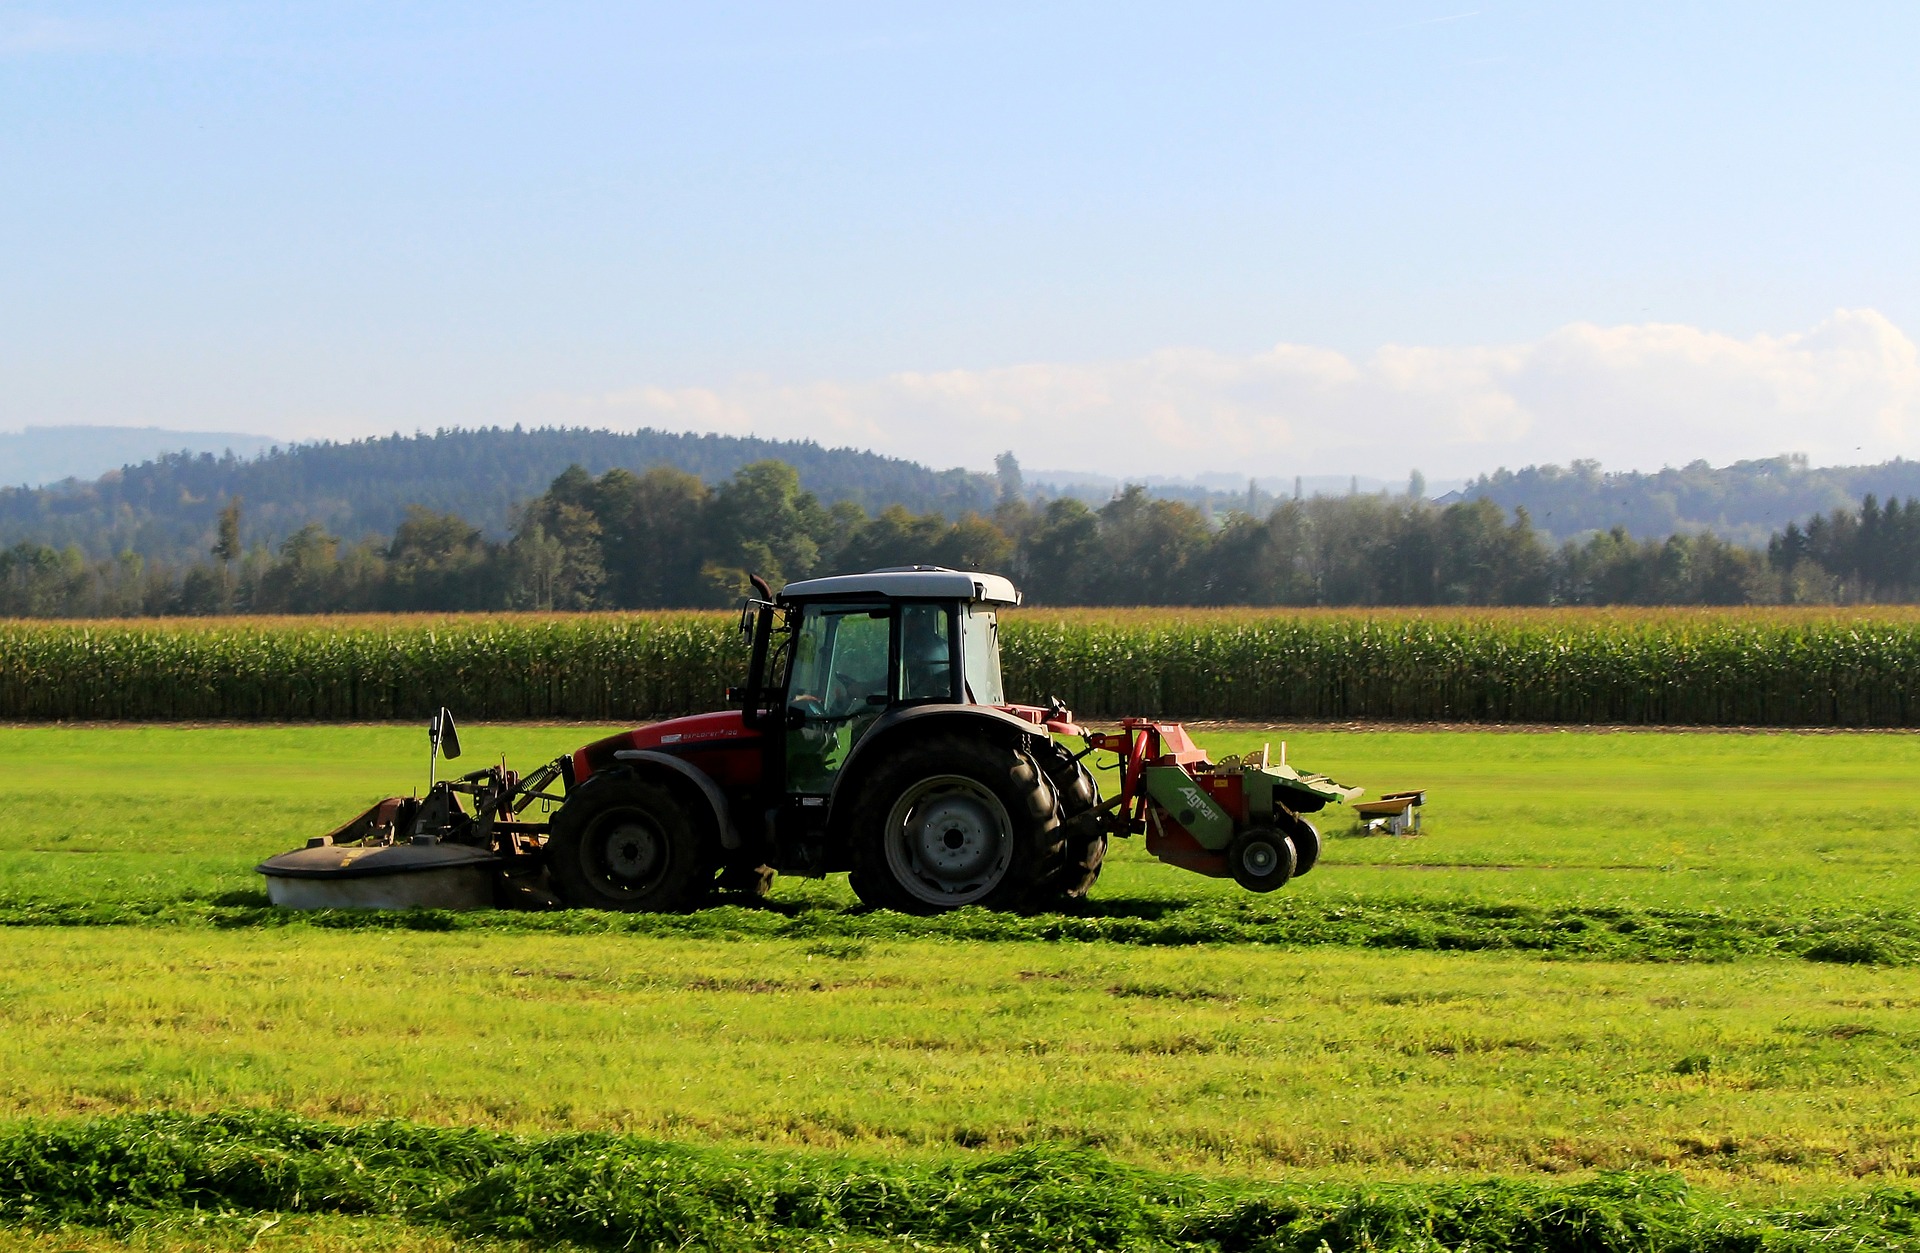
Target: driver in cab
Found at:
927, 663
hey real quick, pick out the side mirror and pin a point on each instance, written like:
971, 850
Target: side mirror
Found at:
442, 735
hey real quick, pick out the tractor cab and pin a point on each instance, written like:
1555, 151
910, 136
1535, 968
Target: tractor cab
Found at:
832, 657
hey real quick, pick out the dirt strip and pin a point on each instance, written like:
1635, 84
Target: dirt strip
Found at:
1357, 726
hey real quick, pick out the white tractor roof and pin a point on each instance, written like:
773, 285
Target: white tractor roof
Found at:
907, 583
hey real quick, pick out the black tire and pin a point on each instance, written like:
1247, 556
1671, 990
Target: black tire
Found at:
1305, 838
622, 843
1260, 860
1083, 847
953, 820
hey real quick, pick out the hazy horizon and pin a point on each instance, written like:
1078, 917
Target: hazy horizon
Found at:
38, 456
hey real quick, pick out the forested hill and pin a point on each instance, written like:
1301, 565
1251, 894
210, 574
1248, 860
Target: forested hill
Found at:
1744, 503
166, 509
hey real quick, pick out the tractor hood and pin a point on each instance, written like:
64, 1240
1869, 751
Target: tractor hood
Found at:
698, 737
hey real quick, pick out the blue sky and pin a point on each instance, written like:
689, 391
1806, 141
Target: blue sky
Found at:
1275, 238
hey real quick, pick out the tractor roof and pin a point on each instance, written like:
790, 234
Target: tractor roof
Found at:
907, 583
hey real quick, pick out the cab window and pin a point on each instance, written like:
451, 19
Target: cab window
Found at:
835, 690
926, 653
980, 630
839, 660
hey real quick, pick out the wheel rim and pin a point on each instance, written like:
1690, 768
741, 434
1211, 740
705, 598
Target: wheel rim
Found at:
1259, 859
625, 852
949, 840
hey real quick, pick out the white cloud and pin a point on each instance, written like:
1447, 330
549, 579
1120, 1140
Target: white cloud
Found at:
1631, 396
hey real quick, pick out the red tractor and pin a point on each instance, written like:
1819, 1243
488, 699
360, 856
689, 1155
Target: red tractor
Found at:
873, 736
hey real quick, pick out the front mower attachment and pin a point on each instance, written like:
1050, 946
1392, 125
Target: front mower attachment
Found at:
381, 876
466, 844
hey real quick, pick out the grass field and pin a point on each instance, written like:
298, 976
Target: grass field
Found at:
1337, 1061
1685, 820
1345, 1064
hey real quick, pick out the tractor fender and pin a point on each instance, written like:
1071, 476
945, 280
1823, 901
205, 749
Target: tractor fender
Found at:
722, 812
890, 726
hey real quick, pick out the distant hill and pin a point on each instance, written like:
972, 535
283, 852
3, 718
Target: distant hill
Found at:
1745, 502
166, 508
46, 454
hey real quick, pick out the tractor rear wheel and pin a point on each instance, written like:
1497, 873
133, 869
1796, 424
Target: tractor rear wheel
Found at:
953, 820
1084, 848
625, 844
1260, 860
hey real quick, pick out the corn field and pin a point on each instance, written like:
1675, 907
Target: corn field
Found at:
369, 668
1655, 667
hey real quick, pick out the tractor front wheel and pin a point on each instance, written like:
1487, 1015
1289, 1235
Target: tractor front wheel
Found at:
1260, 860
625, 844
953, 821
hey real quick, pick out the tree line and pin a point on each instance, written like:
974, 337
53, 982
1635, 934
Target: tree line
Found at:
665, 538
165, 509
1745, 502
1872, 555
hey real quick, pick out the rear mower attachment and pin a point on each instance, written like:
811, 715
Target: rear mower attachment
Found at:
1241, 818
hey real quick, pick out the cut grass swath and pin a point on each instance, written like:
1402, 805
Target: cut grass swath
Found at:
1859, 938
619, 1192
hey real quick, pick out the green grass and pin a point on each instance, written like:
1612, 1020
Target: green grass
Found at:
1342, 1072
150, 814
202, 1230
1343, 1064
618, 1192
1698, 822
1691, 820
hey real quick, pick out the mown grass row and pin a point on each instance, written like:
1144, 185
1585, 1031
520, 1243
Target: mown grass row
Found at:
1684, 668
621, 1192
1867, 937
